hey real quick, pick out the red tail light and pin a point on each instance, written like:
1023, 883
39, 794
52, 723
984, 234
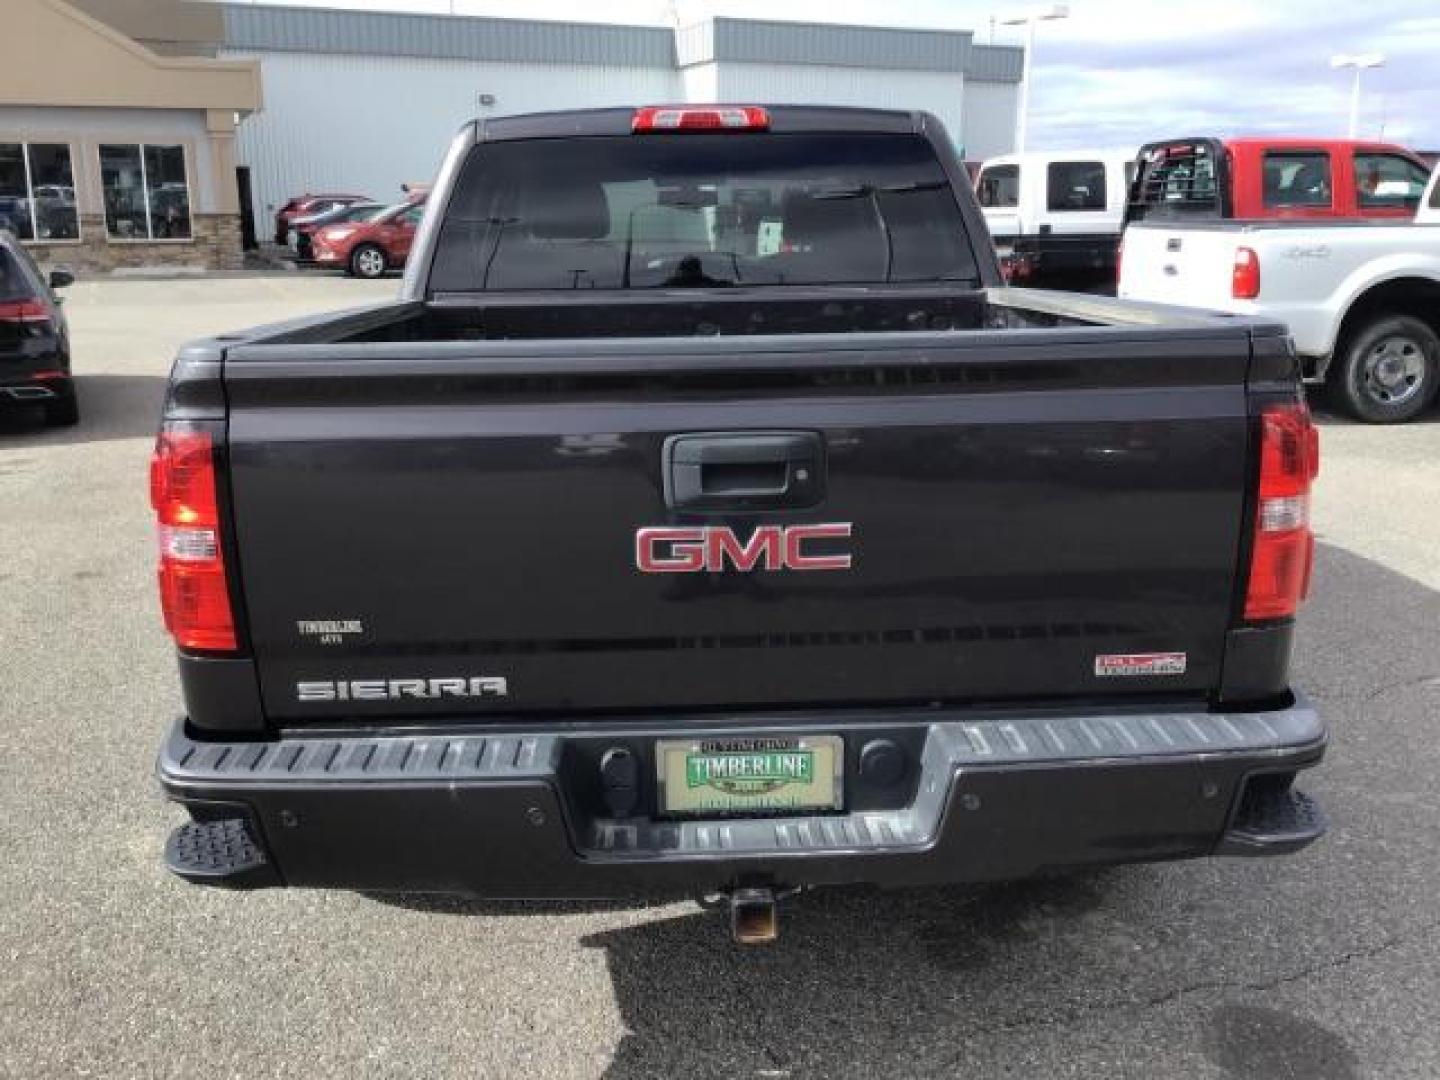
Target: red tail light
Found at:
194, 592
1284, 546
1245, 277
25, 311
1119, 260
1017, 269
703, 118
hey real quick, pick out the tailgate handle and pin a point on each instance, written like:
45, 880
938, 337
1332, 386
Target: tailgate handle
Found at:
753, 470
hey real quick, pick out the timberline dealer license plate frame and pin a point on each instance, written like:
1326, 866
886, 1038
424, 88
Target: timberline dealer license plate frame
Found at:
744, 776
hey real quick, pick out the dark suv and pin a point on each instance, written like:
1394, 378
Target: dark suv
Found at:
34, 339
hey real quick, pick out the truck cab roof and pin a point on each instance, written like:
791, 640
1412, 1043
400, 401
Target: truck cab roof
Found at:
780, 119
1298, 142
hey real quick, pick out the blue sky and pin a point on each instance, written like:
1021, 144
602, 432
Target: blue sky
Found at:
1120, 72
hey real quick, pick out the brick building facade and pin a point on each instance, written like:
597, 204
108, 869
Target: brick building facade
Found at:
113, 155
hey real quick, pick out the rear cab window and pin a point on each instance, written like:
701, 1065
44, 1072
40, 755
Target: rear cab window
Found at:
1177, 179
999, 186
701, 210
1075, 185
1388, 181
1296, 179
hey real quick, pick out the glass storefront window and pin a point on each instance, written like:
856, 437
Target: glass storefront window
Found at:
169, 193
37, 191
147, 194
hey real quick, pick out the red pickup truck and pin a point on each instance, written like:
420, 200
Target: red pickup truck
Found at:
1257, 178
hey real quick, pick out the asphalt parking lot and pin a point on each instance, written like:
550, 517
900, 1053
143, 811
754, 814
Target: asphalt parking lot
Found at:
1325, 966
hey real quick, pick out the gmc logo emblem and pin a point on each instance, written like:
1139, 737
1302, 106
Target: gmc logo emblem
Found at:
712, 549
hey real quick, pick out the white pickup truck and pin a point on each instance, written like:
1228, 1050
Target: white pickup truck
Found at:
1361, 298
1056, 216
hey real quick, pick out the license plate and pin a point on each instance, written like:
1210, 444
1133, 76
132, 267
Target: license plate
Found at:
745, 776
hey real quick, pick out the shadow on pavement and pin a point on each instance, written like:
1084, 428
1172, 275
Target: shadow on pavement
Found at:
1254, 1041
851, 981
111, 407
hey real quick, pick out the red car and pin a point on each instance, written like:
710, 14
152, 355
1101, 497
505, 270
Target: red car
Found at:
368, 249
1257, 178
303, 228
306, 205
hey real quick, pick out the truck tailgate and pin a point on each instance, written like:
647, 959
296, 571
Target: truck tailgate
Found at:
1013, 516
1170, 264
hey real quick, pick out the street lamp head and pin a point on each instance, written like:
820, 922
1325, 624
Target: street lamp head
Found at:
1040, 14
1357, 61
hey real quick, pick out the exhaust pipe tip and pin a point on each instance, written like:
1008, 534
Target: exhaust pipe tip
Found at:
753, 918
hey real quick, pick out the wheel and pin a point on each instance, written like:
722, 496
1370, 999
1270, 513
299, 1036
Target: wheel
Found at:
1389, 370
367, 261
63, 411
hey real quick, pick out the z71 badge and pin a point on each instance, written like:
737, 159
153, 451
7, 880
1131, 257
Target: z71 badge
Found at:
1109, 665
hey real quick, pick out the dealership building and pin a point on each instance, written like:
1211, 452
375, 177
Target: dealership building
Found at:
157, 132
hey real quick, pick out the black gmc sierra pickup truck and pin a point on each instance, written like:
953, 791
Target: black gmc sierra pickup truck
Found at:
705, 516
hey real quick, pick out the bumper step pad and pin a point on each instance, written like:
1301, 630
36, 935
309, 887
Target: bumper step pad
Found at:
219, 853
1272, 821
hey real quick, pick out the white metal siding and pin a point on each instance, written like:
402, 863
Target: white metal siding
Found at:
266, 28
989, 127
367, 124
941, 93
700, 82
787, 43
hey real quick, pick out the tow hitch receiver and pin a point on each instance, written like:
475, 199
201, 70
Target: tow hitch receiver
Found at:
753, 919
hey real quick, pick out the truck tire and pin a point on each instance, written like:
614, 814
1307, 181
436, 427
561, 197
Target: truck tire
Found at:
368, 261
1388, 370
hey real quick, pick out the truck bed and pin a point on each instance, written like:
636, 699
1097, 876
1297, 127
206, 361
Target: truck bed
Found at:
728, 313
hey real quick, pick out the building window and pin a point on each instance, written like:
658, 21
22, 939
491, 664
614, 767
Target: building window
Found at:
1388, 180
147, 196
1297, 179
37, 191
1076, 185
1000, 185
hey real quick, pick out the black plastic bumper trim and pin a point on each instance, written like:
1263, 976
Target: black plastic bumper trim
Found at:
488, 813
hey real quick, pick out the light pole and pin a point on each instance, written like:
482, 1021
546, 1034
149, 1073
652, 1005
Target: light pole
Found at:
1028, 19
1359, 62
